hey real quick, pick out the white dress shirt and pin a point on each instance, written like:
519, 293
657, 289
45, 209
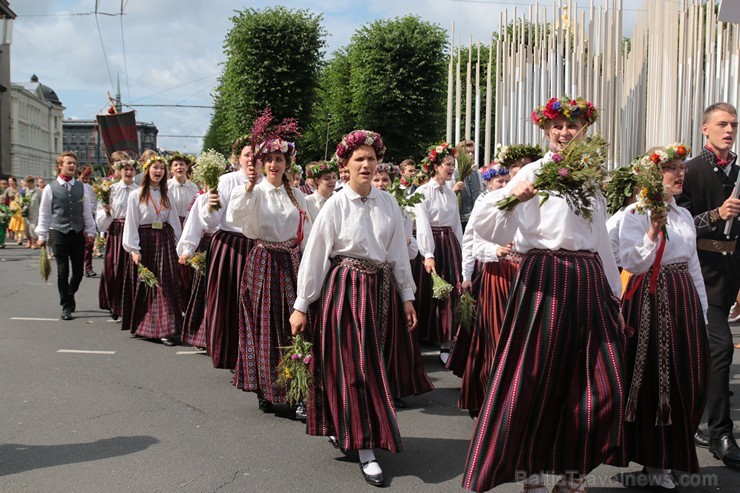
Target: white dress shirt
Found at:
637, 251
119, 193
553, 226
267, 213
192, 230
371, 230
181, 195
315, 202
613, 224
42, 229
215, 220
138, 214
438, 209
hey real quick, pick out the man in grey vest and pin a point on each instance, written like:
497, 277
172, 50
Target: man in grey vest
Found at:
65, 219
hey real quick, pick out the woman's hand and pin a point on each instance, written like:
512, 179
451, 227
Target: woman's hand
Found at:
657, 221
524, 191
298, 321
183, 259
430, 265
213, 199
503, 251
466, 286
253, 176
458, 186
136, 258
410, 312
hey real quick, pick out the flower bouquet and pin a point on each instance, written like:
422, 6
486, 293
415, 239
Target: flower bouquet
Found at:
100, 242
147, 277
441, 289
25, 202
405, 202
294, 372
102, 191
198, 262
575, 174
208, 168
465, 311
44, 264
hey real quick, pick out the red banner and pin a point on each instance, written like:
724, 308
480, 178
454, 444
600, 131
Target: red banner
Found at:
119, 133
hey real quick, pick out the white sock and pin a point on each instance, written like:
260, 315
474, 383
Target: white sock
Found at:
373, 468
661, 477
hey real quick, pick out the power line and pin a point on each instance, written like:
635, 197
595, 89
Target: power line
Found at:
125, 63
70, 14
168, 106
176, 87
105, 55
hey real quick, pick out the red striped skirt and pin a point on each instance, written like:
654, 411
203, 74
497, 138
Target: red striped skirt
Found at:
153, 312
463, 338
674, 321
115, 264
226, 261
404, 365
184, 279
350, 397
267, 297
194, 327
436, 316
492, 297
555, 400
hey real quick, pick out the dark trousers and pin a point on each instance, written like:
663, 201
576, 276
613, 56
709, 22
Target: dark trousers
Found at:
721, 350
88, 257
68, 248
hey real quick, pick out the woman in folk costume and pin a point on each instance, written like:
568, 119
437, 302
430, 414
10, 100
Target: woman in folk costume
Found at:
488, 270
555, 401
665, 308
273, 215
227, 255
354, 263
150, 235
403, 362
111, 218
182, 191
195, 240
439, 236
324, 175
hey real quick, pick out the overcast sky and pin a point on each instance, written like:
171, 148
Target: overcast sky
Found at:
174, 48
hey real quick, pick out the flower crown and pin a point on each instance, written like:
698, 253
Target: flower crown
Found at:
569, 108
493, 170
357, 138
276, 145
508, 155
322, 168
151, 161
435, 156
119, 165
295, 169
178, 156
240, 143
671, 152
389, 168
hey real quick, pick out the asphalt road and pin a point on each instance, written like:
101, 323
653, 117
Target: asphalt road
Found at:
151, 418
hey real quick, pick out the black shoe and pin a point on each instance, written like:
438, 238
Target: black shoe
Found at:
374, 479
473, 413
167, 341
90, 273
700, 439
66, 315
265, 406
300, 411
725, 449
73, 306
334, 442
400, 404
113, 316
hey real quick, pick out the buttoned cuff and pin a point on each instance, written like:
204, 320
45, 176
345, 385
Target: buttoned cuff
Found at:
301, 304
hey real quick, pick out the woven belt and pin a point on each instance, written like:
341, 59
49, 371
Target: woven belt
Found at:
717, 246
514, 257
290, 247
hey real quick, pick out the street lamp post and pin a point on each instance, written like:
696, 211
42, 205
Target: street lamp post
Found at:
326, 147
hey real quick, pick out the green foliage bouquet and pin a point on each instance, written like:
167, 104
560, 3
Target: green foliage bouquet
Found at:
294, 371
208, 168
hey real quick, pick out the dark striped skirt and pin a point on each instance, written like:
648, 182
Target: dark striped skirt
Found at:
266, 302
185, 279
350, 397
153, 312
555, 400
463, 338
226, 261
436, 316
115, 265
194, 327
492, 297
673, 328
404, 365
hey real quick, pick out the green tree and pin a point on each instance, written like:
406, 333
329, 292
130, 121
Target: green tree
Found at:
273, 57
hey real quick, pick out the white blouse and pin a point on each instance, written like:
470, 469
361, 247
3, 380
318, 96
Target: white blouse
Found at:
637, 251
613, 224
181, 195
119, 193
315, 202
267, 213
438, 209
215, 220
138, 214
371, 230
192, 230
553, 226
474, 247
408, 226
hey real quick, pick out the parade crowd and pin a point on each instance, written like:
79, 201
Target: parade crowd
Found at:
599, 331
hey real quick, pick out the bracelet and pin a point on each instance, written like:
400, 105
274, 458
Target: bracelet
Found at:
714, 215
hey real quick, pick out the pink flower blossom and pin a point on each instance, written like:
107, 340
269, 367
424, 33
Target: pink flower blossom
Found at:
556, 158
307, 360
563, 172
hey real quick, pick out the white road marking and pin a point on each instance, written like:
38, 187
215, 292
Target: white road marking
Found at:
84, 351
36, 319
